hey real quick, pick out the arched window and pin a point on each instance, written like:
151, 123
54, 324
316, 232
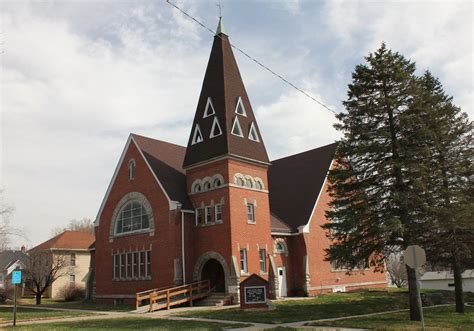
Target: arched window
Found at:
131, 169
248, 182
206, 186
132, 217
217, 182
197, 188
239, 181
280, 247
258, 183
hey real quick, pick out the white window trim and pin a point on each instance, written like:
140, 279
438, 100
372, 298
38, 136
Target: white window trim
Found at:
195, 135
142, 230
132, 167
243, 261
206, 209
237, 123
253, 213
264, 260
215, 212
252, 129
209, 105
239, 102
215, 124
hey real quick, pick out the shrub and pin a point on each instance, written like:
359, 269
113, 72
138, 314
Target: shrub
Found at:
73, 293
6, 293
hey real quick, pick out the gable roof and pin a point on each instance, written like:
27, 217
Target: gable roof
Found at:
298, 178
7, 258
67, 240
223, 84
166, 162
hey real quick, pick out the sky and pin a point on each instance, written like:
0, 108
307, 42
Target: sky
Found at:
77, 77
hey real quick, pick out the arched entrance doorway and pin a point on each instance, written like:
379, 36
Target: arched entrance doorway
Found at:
214, 271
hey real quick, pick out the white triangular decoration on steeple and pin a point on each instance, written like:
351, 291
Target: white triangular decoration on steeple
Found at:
215, 129
240, 109
236, 128
209, 110
197, 136
253, 133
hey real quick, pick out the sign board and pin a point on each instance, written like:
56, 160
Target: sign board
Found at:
414, 256
16, 277
255, 294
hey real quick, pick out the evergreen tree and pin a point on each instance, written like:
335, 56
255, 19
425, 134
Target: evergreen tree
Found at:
374, 208
444, 136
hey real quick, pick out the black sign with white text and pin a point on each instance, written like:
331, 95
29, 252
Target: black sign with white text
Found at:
255, 294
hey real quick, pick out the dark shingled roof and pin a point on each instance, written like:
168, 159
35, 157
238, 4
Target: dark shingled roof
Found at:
166, 161
223, 84
295, 182
279, 226
7, 258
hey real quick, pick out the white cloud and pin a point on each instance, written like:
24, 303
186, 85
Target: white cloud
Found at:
69, 101
294, 123
437, 35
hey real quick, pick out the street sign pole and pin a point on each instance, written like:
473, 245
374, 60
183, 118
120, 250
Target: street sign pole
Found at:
16, 279
420, 304
14, 305
414, 256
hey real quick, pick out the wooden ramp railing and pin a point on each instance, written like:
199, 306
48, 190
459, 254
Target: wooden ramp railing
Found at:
160, 298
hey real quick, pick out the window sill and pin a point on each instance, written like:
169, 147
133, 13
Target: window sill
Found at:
264, 273
204, 225
253, 223
244, 273
131, 279
132, 233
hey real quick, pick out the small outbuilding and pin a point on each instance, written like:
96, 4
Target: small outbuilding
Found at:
444, 280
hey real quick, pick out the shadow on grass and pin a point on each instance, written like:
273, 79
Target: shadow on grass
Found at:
131, 324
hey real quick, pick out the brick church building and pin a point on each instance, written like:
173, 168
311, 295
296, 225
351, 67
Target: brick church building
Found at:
218, 208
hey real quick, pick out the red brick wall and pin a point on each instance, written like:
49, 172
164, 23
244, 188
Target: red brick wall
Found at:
244, 235
165, 243
234, 232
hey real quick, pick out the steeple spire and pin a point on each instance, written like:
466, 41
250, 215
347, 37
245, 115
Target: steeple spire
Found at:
224, 123
220, 28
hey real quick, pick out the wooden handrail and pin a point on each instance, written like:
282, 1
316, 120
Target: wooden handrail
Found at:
168, 297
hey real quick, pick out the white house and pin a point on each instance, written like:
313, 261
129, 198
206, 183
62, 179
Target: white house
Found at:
444, 280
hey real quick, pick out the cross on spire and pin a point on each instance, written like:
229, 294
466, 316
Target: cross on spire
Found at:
220, 8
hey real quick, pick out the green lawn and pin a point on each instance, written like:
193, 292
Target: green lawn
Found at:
441, 318
23, 314
131, 324
85, 305
321, 307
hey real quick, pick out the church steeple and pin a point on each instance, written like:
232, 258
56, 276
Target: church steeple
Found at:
224, 123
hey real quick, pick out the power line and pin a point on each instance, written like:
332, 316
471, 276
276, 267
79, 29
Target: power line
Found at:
286, 81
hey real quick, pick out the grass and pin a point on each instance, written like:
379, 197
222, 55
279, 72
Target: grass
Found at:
24, 314
321, 307
84, 305
131, 324
441, 318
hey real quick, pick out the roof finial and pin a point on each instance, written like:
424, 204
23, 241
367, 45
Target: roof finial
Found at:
220, 26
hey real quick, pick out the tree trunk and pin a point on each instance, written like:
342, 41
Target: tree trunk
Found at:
458, 286
38, 298
415, 313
